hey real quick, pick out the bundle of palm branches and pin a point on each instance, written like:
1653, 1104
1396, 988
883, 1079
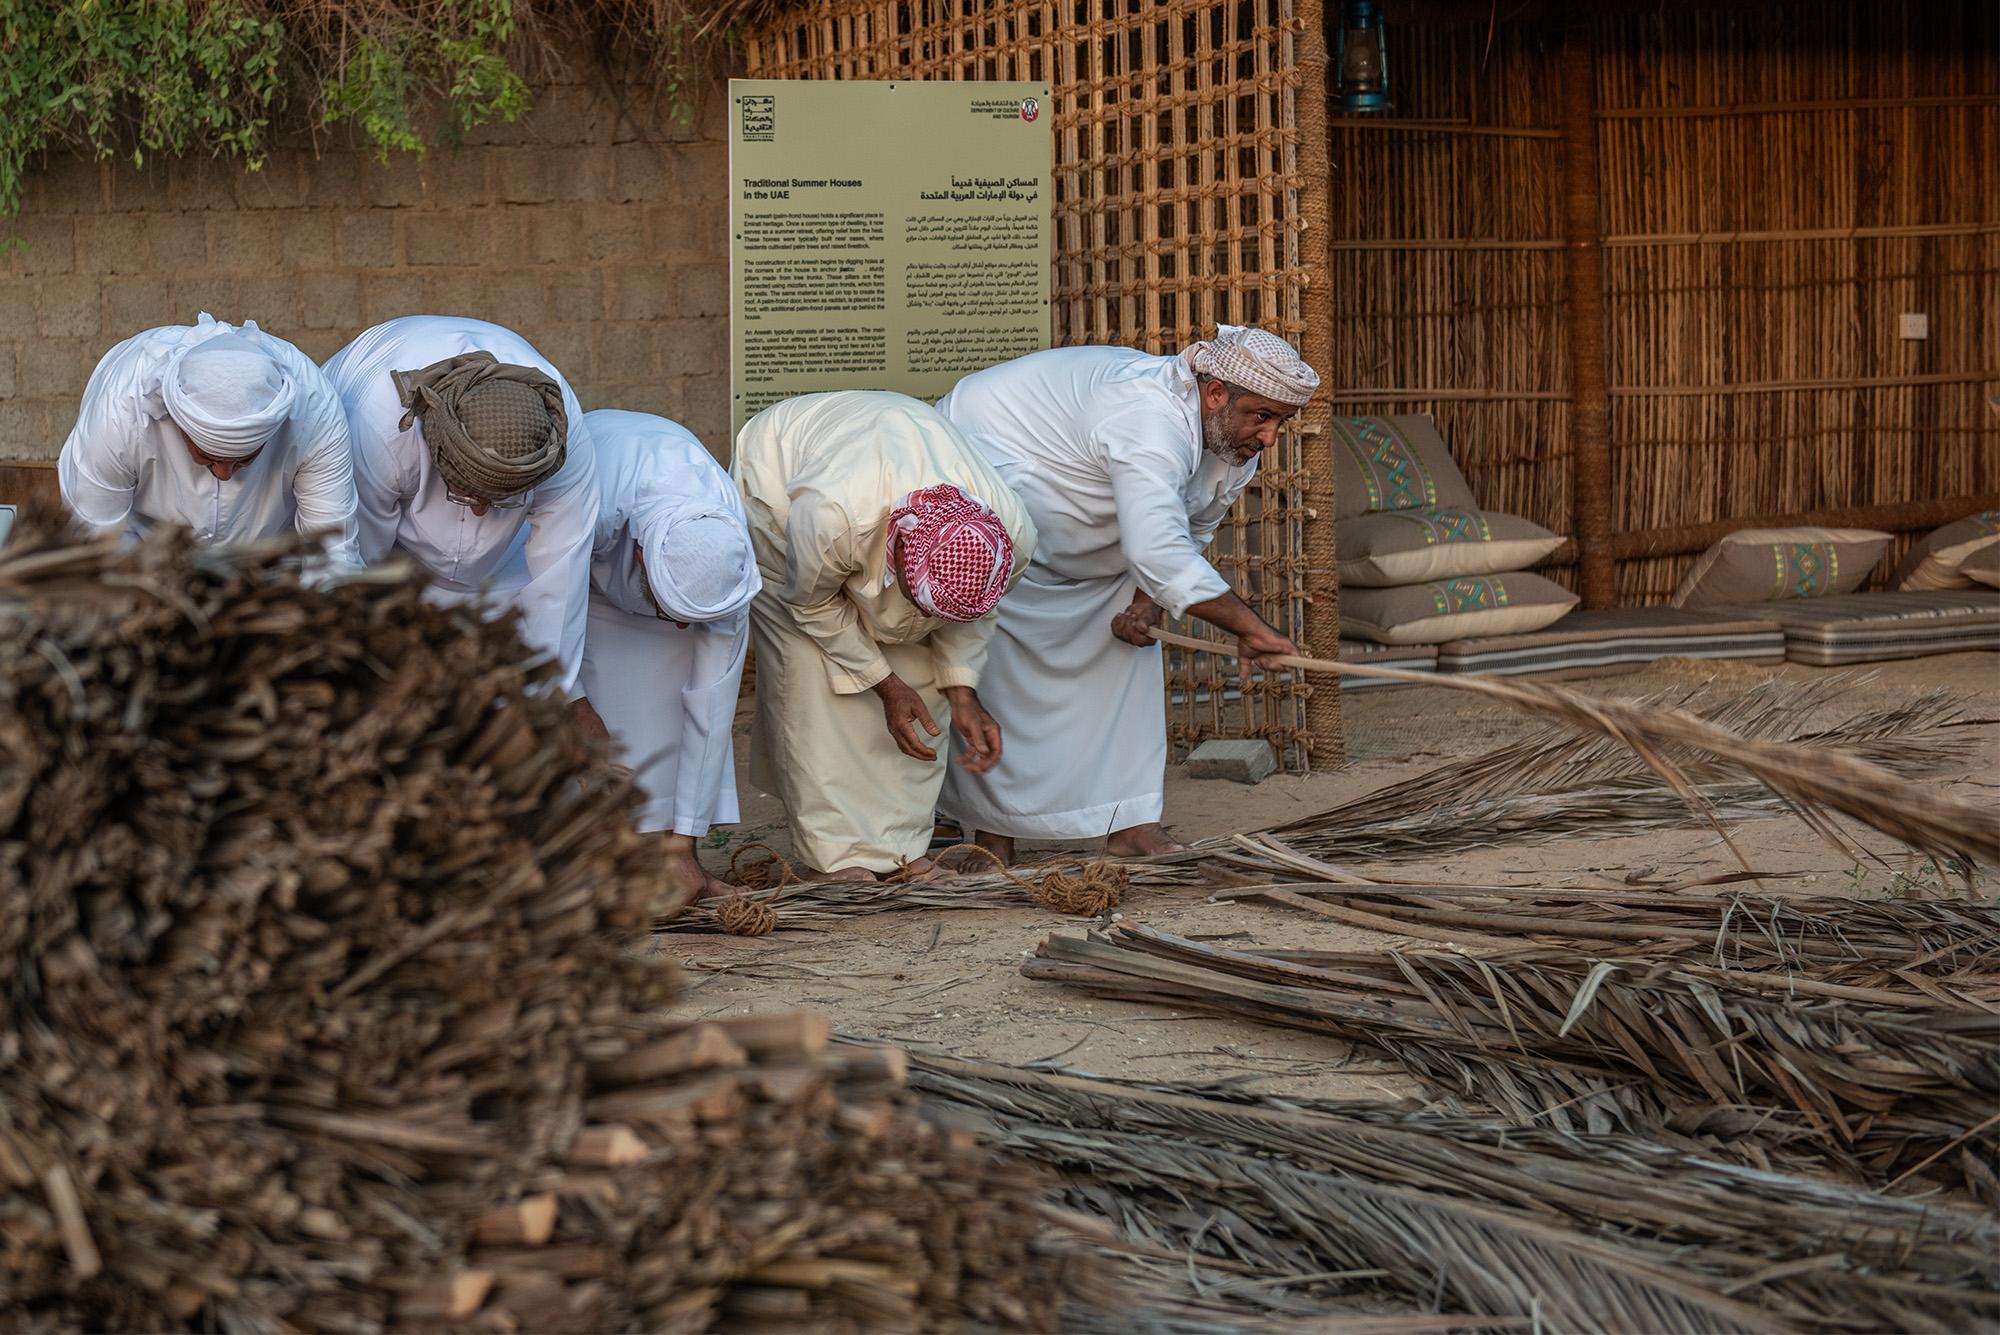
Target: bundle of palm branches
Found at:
1599, 1045
1285, 1205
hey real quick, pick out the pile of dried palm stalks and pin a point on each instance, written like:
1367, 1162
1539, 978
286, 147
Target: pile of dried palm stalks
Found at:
1285, 1205
1551, 1038
314, 1012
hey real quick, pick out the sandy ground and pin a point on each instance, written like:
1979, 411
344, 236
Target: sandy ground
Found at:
951, 980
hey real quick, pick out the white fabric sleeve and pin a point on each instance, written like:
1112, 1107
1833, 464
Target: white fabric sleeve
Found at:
562, 525
97, 472
382, 488
820, 557
324, 487
959, 650
1153, 529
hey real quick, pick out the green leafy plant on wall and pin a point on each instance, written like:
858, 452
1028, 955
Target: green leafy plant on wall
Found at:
142, 78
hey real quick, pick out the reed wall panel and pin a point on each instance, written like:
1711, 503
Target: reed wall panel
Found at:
1180, 202
1777, 184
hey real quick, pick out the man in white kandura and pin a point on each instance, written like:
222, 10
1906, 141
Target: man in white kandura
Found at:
229, 431
885, 541
671, 578
1127, 463
471, 458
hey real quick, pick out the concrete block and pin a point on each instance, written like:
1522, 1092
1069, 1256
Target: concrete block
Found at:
454, 237
384, 296
308, 239
44, 246
271, 299
132, 304
17, 307
279, 184
9, 382
624, 353
691, 347
395, 184
515, 298
333, 179
330, 300
705, 289
175, 243
70, 308
243, 242
1246, 760
368, 239
458, 180
614, 232
576, 295
54, 366
566, 346
71, 185
202, 184
112, 243
708, 409
639, 292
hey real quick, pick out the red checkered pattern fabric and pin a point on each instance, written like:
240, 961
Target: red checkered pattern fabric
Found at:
952, 551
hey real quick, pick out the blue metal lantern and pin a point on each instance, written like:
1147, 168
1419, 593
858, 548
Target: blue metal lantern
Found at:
1364, 58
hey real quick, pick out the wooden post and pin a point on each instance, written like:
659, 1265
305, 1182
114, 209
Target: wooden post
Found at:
1320, 635
1583, 289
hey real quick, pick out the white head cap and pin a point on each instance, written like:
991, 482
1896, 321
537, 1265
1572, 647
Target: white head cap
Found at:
699, 566
228, 394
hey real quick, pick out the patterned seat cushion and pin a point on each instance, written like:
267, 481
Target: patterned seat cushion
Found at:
1403, 657
1758, 565
1430, 542
1874, 627
1453, 609
1617, 638
1393, 463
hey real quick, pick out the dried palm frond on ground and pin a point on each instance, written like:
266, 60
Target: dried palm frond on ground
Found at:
314, 1014
1815, 780
1288, 1204
1551, 1039
1887, 952
1556, 783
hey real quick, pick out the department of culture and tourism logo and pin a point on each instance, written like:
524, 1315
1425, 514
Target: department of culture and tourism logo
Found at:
1030, 108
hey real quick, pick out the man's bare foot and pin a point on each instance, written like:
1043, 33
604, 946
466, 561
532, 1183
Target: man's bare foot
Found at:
848, 874
923, 869
1142, 841
684, 871
999, 845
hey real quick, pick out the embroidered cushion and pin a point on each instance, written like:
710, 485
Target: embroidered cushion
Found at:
1435, 542
1938, 561
1764, 565
1453, 609
1393, 463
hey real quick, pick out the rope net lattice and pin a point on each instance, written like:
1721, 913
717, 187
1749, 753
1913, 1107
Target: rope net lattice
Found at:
1178, 184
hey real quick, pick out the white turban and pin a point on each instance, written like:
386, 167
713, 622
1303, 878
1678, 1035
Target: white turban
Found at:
698, 565
228, 394
1256, 360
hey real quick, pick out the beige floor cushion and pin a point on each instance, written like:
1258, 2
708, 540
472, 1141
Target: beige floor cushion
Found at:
1393, 463
1453, 609
1762, 565
1983, 566
1938, 561
1433, 542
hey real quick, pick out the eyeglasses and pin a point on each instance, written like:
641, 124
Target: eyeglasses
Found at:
457, 497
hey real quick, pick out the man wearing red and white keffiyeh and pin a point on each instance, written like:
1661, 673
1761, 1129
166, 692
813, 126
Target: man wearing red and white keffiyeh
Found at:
951, 553
884, 542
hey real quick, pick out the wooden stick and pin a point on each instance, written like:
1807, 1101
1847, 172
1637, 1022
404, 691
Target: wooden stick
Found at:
703, 1047
67, 1207
1583, 289
447, 1298
527, 1222
607, 1147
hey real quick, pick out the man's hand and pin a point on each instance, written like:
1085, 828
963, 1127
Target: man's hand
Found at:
588, 720
903, 710
1139, 616
975, 727
1261, 645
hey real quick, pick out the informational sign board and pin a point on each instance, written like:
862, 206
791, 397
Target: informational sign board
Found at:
883, 235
